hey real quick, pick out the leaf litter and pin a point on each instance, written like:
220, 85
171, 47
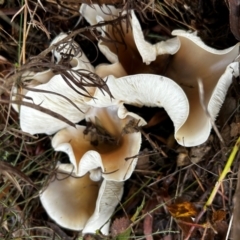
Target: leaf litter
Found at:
175, 194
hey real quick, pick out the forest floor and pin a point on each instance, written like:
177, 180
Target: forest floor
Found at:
170, 194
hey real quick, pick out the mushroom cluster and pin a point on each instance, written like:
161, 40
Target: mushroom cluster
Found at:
103, 154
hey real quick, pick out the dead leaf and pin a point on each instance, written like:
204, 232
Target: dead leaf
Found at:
183, 159
156, 119
218, 216
148, 219
185, 225
197, 153
184, 209
235, 129
143, 160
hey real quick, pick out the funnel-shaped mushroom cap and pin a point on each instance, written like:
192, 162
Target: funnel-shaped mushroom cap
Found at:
125, 42
69, 200
103, 147
215, 69
78, 202
148, 51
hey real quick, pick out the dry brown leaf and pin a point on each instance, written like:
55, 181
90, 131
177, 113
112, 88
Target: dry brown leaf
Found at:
197, 153
184, 209
156, 119
218, 216
235, 129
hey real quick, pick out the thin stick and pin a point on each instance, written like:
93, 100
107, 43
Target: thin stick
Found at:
224, 173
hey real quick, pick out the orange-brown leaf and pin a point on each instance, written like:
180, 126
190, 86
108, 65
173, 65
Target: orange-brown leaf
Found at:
184, 209
218, 216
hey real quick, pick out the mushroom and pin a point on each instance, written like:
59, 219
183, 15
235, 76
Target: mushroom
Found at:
57, 87
104, 152
215, 68
125, 43
103, 155
102, 147
79, 203
192, 60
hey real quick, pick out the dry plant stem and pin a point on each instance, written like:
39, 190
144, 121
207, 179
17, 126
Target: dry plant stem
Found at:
229, 229
11, 80
224, 173
198, 180
164, 13
172, 174
42, 109
23, 53
27, 29
153, 144
204, 234
218, 184
222, 192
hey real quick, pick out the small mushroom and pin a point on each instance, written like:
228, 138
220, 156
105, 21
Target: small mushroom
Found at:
78, 203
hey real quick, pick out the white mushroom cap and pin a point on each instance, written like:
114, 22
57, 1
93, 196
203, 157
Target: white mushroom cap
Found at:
148, 51
34, 121
116, 69
39, 77
69, 200
111, 151
80, 203
194, 61
136, 47
58, 96
152, 91
109, 196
